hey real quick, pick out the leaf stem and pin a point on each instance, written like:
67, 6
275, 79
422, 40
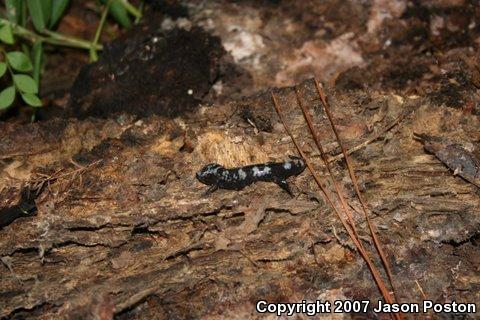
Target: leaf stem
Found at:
140, 8
131, 9
93, 51
54, 38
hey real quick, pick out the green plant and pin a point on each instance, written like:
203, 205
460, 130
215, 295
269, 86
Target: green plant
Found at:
18, 64
24, 67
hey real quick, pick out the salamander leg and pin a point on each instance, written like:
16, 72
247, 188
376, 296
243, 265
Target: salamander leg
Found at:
210, 190
284, 185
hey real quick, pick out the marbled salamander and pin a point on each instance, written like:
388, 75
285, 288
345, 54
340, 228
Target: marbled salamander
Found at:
217, 176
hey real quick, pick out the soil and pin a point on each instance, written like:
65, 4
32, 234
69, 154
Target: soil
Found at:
101, 215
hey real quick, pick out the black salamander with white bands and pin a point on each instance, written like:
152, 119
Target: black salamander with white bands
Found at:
217, 176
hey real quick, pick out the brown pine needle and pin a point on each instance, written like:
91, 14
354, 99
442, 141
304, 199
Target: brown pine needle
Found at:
308, 163
308, 118
376, 275
351, 172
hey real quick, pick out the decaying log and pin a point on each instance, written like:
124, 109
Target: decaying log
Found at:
123, 228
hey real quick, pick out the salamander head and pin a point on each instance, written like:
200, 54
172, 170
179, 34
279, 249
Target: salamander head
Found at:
210, 174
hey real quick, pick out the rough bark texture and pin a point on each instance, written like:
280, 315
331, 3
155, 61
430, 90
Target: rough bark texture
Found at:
123, 229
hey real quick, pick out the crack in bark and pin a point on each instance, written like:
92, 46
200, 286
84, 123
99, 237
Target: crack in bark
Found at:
186, 250
471, 238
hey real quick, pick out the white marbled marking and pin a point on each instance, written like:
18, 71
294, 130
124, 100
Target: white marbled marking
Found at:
242, 174
260, 173
211, 170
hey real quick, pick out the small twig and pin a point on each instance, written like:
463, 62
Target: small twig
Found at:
76, 164
424, 296
56, 176
370, 140
47, 176
421, 290
255, 129
134, 299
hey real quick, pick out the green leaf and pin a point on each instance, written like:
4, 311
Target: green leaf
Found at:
14, 9
3, 68
6, 33
46, 9
58, 7
37, 55
19, 61
31, 99
119, 13
25, 83
6, 97
35, 8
